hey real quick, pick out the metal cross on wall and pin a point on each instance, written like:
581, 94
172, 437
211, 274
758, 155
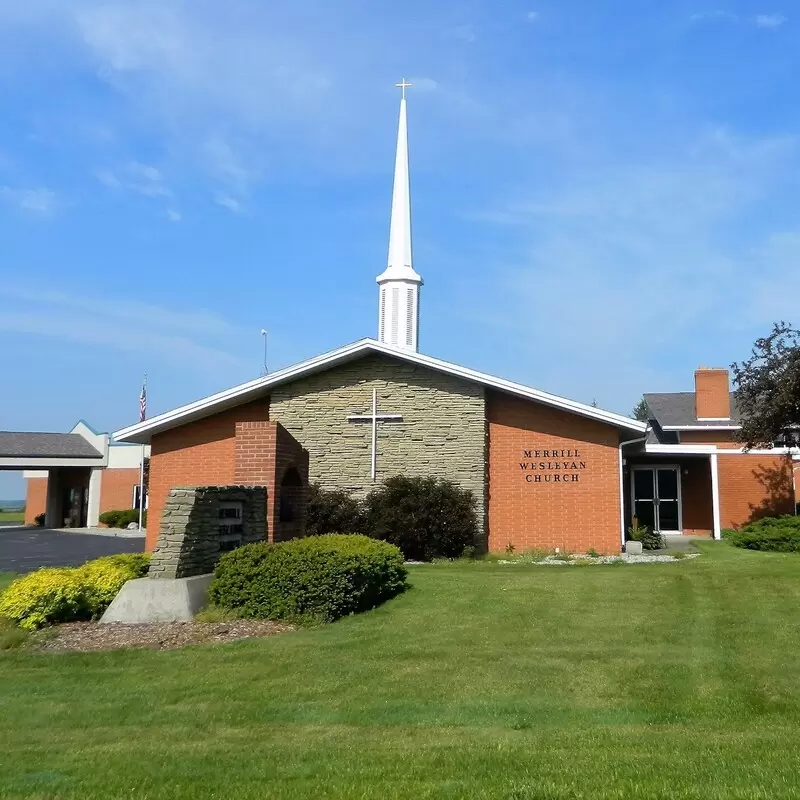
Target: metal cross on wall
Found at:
375, 418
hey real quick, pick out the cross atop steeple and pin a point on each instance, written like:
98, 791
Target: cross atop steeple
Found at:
403, 86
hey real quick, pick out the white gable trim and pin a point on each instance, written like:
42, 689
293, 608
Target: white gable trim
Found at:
700, 427
141, 432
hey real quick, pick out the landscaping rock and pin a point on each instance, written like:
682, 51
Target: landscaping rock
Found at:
159, 599
633, 548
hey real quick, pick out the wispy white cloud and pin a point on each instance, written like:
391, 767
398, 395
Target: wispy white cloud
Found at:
718, 15
143, 179
39, 202
231, 203
641, 255
172, 215
770, 21
201, 339
424, 84
533, 16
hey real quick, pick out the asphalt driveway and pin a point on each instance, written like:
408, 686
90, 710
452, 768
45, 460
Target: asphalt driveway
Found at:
27, 549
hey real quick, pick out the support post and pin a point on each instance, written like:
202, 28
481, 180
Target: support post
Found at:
141, 488
93, 511
717, 533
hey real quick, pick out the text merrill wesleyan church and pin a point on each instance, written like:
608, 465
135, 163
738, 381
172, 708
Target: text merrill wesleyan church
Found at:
546, 471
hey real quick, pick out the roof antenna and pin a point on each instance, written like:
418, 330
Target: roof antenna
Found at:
264, 334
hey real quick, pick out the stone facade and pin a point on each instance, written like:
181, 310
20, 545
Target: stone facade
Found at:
442, 432
189, 540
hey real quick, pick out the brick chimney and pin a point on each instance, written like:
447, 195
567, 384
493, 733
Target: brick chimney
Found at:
712, 399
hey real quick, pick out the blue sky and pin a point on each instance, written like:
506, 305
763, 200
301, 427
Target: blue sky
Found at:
604, 193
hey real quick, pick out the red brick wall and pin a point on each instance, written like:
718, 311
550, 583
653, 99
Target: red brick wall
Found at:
750, 485
35, 499
116, 488
754, 486
719, 438
572, 514
712, 394
201, 453
265, 451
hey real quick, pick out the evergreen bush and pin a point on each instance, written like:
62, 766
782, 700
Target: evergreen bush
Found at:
69, 594
121, 518
332, 511
426, 518
779, 534
319, 578
650, 539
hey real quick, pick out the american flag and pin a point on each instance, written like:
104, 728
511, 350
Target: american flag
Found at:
143, 401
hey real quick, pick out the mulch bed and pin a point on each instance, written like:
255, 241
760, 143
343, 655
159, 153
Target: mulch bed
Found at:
82, 637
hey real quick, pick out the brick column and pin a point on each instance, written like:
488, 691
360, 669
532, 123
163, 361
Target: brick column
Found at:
256, 443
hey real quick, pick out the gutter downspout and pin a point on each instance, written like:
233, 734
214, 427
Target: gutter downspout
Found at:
622, 487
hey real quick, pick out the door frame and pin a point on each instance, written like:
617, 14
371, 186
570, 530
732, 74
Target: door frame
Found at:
652, 468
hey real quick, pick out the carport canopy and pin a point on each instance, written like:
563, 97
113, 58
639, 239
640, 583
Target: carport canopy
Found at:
73, 463
23, 450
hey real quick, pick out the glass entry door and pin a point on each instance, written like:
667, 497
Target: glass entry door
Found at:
657, 498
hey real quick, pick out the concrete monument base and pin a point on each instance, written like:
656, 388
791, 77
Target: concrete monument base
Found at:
159, 600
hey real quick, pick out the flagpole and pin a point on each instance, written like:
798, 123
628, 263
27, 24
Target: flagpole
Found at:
142, 415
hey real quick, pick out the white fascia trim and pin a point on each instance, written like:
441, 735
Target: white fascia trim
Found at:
708, 449
680, 449
773, 451
700, 427
141, 432
23, 463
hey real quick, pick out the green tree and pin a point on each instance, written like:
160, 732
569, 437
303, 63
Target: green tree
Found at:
767, 387
641, 411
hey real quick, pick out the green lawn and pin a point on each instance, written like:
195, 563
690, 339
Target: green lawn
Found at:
5, 579
484, 681
12, 516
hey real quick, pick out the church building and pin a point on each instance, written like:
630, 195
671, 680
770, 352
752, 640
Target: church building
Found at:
546, 472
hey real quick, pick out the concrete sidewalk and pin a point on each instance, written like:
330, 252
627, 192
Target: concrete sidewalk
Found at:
113, 532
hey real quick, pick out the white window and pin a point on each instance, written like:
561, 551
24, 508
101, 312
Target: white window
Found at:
135, 496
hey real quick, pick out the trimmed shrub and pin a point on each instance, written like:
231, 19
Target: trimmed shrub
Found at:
426, 518
46, 596
121, 518
104, 577
332, 511
68, 594
779, 534
650, 539
39, 520
319, 578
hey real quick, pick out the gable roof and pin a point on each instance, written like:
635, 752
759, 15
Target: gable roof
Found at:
141, 432
15, 444
676, 410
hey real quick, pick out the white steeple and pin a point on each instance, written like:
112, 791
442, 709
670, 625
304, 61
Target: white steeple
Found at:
398, 322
